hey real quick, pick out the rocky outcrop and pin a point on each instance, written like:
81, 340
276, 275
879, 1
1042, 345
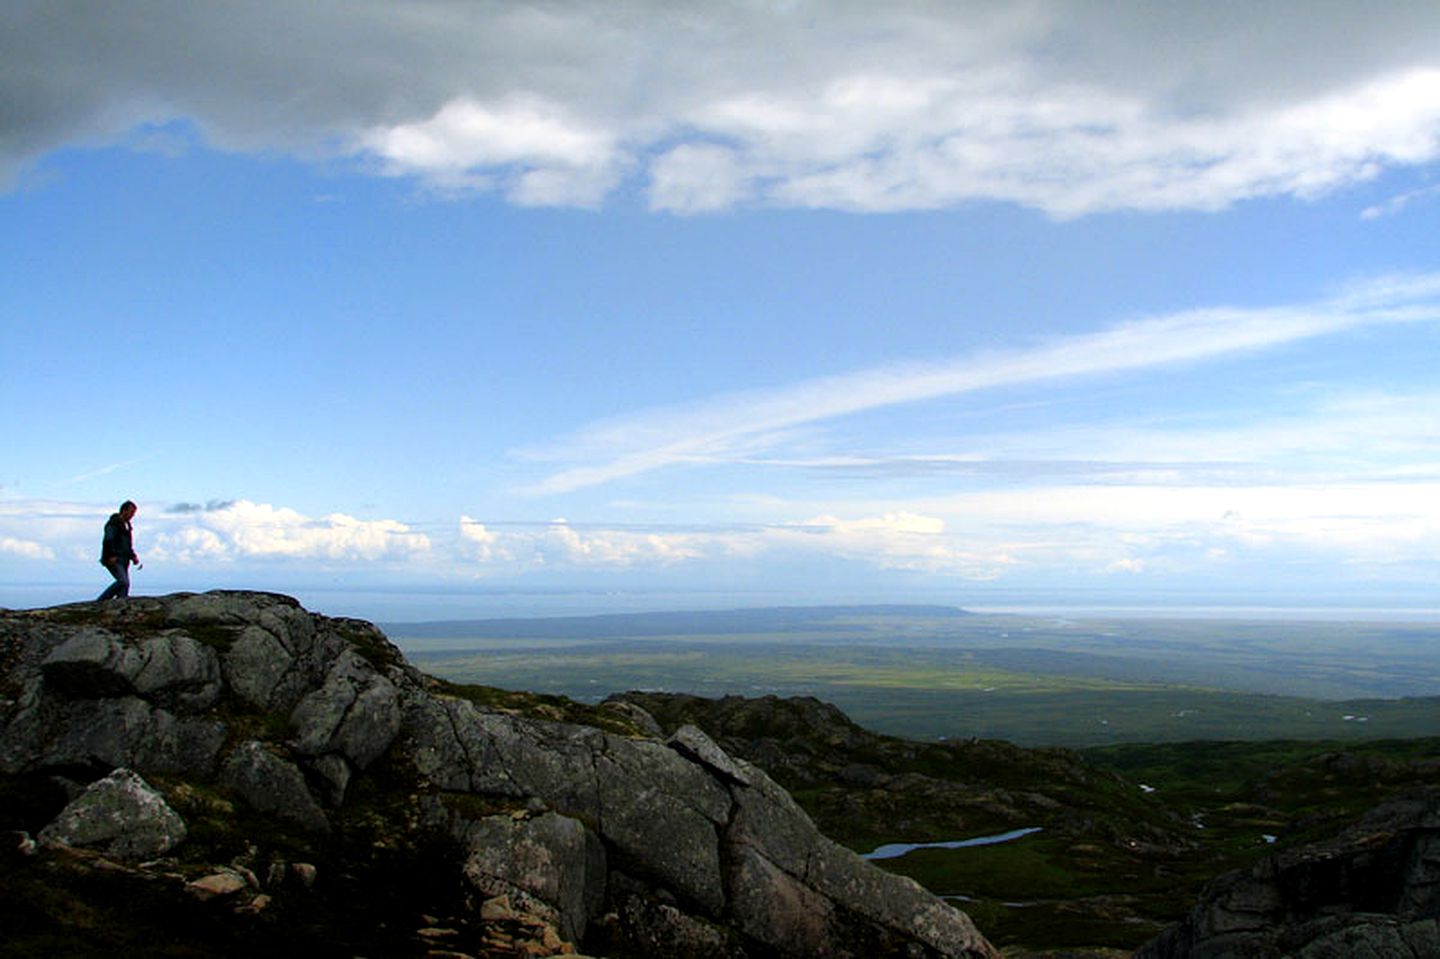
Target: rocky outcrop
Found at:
1372, 891
602, 835
120, 816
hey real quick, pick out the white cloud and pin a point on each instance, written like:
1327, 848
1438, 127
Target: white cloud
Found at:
560, 545
244, 529
26, 549
193, 544
1054, 532
611, 548
552, 158
882, 143
106, 470
697, 178
891, 524
484, 545
228, 532
900, 540
1068, 108
52, 528
897, 540
1049, 531
1142, 527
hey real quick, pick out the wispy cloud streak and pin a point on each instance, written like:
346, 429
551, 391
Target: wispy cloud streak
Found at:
108, 469
734, 426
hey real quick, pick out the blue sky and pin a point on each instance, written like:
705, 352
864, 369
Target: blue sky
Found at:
414, 309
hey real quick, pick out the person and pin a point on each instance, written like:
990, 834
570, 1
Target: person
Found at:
117, 551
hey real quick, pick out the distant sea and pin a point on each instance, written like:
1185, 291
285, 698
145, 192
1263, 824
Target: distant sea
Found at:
420, 607
1333, 614
420, 604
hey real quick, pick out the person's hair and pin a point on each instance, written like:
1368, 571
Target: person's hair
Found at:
128, 504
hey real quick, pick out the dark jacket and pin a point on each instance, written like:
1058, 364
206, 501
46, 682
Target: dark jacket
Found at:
117, 546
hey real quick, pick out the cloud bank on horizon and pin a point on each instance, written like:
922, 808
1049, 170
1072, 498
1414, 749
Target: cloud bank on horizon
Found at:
1277, 428
1063, 107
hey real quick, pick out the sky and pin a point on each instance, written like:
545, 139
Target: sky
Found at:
434, 309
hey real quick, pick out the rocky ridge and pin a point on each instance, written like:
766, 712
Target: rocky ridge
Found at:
852, 777
1372, 889
157, 725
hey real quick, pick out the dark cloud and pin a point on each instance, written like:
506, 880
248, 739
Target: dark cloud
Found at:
212, 506
641, 84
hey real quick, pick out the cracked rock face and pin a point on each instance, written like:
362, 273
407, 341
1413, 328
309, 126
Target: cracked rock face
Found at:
636, 843
159, 685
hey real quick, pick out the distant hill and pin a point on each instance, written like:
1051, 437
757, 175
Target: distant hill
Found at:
679, 623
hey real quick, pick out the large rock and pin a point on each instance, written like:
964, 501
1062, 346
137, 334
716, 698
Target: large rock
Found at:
177, 670
119, 816
355, 713
171, 668
256, 666
549, 865
650, 800
54, 732
699, 838
92, 663
632, 843
273, 784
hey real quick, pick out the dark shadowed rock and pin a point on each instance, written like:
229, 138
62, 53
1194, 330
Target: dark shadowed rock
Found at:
91, 664
1372, 891
102, 734
641, 924
272, 784
331, 774
172, 668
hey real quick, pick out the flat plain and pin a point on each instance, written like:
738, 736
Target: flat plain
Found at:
938, 672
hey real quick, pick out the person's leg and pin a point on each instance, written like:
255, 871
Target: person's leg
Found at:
121, 587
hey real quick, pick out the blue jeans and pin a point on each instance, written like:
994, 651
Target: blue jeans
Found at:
120, 569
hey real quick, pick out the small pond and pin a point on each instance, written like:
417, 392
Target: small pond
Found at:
896, 849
